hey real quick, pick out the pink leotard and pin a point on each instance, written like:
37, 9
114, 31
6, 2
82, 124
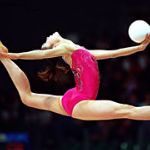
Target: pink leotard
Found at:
86, 75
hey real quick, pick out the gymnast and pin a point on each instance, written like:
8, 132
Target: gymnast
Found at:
78, 102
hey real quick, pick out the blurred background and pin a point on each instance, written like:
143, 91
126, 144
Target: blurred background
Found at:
24, 25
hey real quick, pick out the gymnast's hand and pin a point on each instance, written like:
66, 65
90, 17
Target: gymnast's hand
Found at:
5, 55
145, 43
4, 52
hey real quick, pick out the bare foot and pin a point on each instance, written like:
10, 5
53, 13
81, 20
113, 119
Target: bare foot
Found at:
3, 48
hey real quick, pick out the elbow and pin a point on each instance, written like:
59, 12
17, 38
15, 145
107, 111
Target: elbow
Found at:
114, 56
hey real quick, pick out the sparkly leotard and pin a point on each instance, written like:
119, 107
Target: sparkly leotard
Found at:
86, 75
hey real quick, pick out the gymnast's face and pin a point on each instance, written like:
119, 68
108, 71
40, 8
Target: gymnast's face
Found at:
52, 41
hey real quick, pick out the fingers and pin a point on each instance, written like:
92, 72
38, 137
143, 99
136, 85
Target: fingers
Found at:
3, 55
145, 43
147, 37
147, 40
12, 56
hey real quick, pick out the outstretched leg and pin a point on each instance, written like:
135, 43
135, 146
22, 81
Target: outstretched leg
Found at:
107, 110
40, 101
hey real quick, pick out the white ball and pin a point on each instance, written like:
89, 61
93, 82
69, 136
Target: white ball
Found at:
138, 31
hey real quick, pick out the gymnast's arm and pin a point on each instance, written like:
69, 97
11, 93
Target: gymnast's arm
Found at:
105, 54
38, 54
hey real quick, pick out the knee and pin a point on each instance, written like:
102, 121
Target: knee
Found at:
25, 98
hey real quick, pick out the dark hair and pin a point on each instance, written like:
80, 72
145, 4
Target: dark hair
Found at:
49, 70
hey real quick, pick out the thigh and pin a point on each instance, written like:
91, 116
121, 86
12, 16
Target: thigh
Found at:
98, 110
46, 102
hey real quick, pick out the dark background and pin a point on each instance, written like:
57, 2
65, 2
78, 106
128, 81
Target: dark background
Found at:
24, 25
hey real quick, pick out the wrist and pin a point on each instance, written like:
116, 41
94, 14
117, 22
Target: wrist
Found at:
142, 47
18, 56
14, 56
